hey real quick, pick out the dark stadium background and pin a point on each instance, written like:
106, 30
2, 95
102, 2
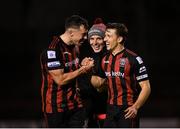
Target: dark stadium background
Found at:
27, 27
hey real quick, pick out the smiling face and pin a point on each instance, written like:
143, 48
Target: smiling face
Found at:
97, 43
112, 39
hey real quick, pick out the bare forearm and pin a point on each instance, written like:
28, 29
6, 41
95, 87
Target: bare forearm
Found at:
97, 81
62, 78
68, 77
144, 94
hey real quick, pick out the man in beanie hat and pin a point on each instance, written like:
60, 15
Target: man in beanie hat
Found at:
96, 36
94, 99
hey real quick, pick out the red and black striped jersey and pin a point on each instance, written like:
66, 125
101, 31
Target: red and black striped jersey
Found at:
123, 71
59, 56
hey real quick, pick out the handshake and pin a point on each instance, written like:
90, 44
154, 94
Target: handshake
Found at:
86, 64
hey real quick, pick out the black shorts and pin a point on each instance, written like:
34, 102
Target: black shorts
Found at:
72, 118
115, 118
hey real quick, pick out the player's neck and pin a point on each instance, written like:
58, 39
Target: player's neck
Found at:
66, 38
118, 49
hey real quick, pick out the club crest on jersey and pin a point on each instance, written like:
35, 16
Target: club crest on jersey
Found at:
122, 62
51, 54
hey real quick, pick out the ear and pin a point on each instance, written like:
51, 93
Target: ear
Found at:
70, 31
120, 39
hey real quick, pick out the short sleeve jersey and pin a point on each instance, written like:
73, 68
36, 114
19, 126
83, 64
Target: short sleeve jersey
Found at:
59, 56
123, 72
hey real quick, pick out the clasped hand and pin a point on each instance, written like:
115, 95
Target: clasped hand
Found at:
87, 63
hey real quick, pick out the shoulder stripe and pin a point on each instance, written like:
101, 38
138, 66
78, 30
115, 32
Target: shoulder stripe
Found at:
53, 43
132, 53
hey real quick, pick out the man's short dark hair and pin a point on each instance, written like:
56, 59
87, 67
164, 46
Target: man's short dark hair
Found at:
121, 30
75, 21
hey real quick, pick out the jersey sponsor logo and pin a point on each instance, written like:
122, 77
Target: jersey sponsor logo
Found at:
106, 61
114, 74
122, 62
53, 64
75, 61
51, 54
141, 77
142, 69
139, 60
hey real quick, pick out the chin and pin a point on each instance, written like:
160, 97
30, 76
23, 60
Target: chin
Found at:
96, 51
108, 48
79, 43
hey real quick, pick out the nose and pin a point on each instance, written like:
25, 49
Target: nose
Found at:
94, 42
